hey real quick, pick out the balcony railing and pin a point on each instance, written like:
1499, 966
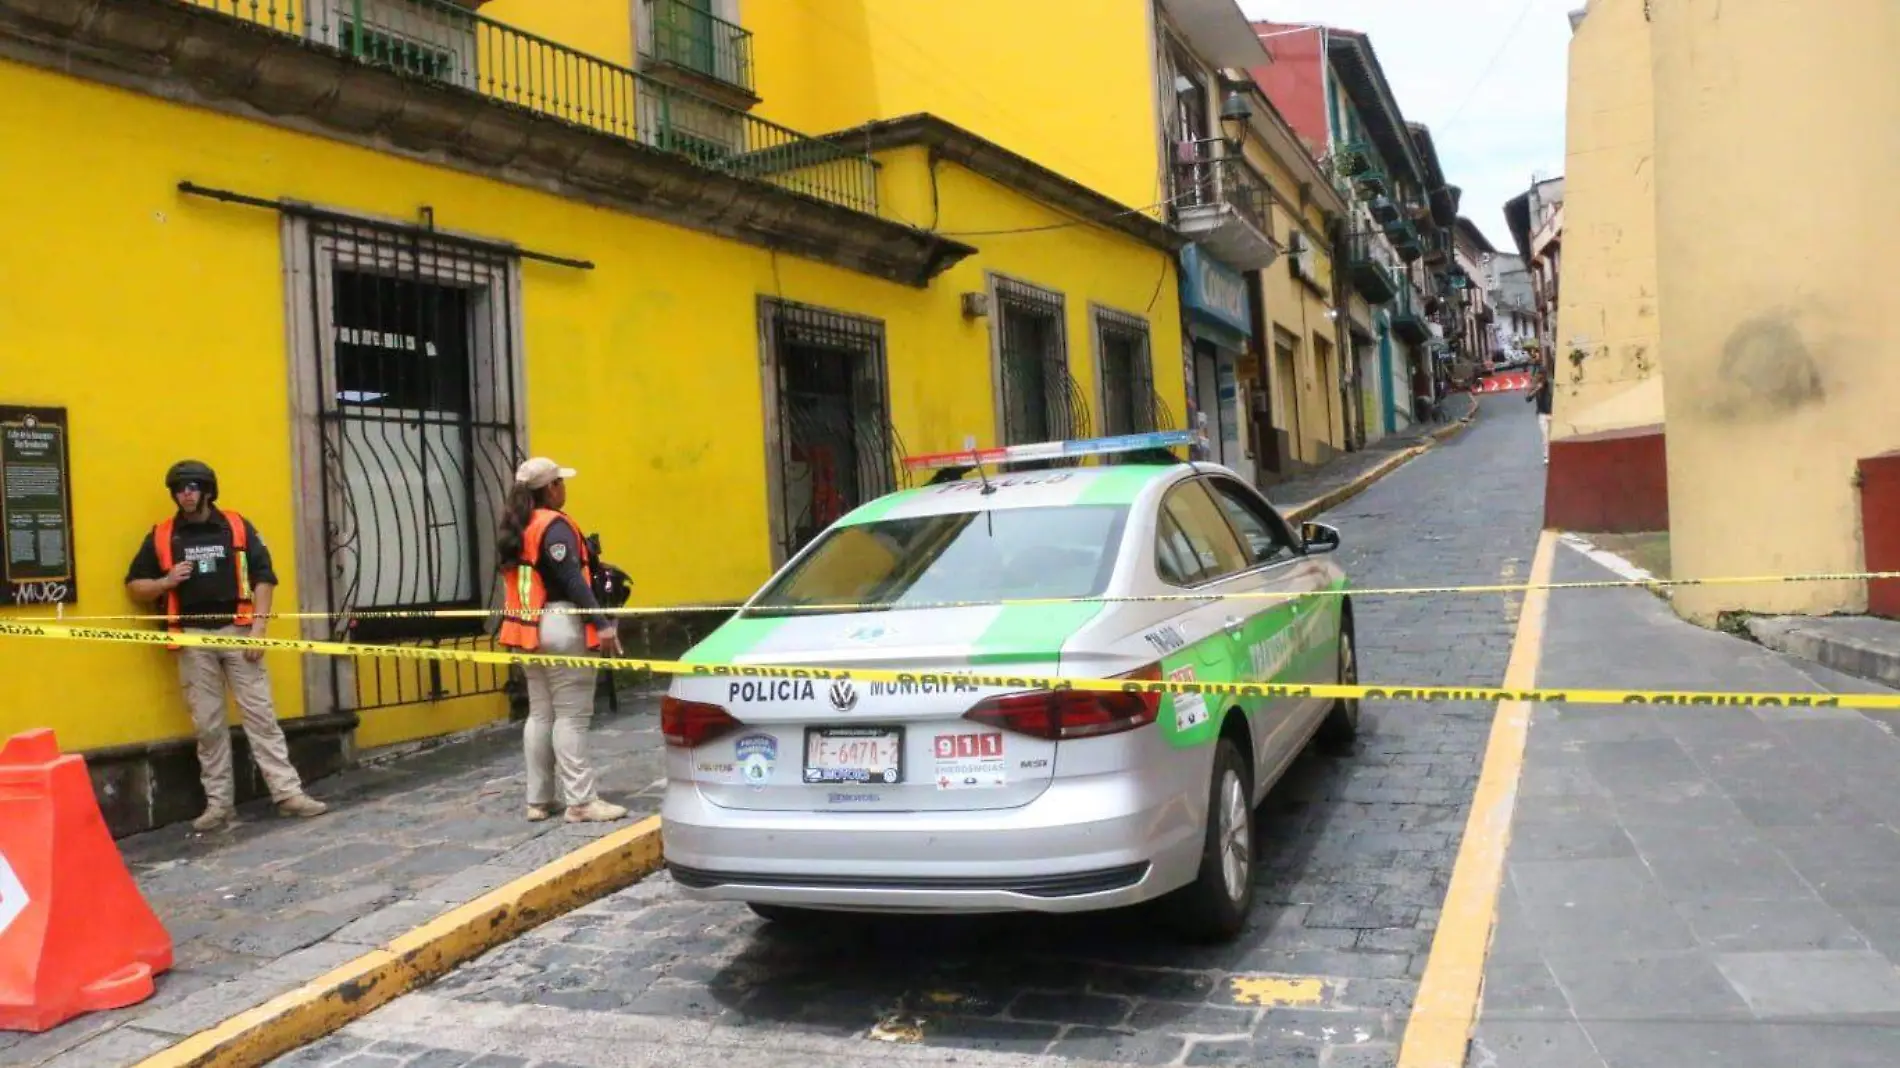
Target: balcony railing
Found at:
1408, 321
1357, 165
685, 35
1370, 270
446, 43
1206, 178
1220, 200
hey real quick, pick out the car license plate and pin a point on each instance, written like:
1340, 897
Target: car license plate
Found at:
854, 754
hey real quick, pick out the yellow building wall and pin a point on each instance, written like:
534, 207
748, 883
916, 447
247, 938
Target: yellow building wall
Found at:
1086, 108
602, 28
158, 319
1608, 306
1314, 416
1084, 263
1784, 354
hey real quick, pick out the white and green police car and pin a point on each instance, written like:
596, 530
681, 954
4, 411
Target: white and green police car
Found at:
946, 795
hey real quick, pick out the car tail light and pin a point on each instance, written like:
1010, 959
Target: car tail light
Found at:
1064, 714
690, 724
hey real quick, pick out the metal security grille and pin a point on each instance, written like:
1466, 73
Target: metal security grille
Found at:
417, 420
836, 447
1041, 400
1130, 404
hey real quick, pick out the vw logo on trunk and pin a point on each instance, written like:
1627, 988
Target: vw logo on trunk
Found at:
844, 697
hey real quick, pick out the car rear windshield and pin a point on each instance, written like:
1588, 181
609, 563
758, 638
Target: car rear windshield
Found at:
1002, 554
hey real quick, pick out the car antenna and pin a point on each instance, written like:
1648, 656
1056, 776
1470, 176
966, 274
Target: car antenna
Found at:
969, 443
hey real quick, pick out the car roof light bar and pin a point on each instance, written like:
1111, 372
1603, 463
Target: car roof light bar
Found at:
1053, 450
966, 459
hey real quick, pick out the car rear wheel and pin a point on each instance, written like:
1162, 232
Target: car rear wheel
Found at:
1214, 907
1342, 720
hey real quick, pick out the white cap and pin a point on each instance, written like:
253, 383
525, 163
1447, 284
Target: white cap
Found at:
540, 472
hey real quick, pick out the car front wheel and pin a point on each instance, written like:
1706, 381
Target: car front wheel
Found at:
1214, 907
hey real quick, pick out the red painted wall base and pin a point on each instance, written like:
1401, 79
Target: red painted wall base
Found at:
1615, 482
1880, 529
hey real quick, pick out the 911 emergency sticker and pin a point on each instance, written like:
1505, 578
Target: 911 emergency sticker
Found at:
969, 761
1190, 709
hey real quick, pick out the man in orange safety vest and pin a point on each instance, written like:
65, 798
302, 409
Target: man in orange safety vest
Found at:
211, 572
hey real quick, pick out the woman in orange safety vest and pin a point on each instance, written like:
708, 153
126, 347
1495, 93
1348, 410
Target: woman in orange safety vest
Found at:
545, 566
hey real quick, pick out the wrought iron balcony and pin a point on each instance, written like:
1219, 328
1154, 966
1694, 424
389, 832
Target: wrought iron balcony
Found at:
1405, 239
1369, 269
1353, 158
1407, 320
445, 42
1357, 165
678, 37
1220, 202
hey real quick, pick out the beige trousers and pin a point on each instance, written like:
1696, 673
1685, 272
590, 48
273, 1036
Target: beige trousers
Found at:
560, 707
203, 673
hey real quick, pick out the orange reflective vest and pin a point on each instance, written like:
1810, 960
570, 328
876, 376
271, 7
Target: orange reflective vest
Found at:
523, 592
162, 544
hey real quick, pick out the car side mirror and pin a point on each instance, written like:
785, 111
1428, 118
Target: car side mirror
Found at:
1319, 537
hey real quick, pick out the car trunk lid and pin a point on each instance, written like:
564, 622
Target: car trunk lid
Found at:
859, 745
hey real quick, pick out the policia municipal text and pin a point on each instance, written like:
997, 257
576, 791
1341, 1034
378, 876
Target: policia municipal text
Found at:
210, 563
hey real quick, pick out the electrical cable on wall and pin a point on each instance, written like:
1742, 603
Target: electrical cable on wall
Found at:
1077, 220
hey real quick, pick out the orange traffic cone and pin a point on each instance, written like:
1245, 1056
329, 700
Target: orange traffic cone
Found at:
76, 935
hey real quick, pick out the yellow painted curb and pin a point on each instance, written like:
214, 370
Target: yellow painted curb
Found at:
356, 989
1333, 498
1448, 993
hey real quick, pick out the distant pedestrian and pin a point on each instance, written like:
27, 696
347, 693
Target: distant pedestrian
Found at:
212, 571
546, 565
1540, 393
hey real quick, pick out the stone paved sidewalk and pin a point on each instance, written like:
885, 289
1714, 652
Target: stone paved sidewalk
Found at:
261, 909
1694, 885
1349, 467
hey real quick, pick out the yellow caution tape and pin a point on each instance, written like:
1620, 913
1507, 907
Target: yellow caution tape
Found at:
1271, 691
1010, 602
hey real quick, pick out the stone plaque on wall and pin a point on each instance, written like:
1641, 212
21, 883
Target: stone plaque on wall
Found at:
36, 507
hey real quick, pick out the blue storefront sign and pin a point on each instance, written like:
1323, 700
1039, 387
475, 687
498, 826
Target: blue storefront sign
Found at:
1215, 296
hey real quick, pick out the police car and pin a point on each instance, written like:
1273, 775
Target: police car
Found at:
947, 795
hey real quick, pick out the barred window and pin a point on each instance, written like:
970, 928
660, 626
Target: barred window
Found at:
1125, 367
831, 444
1039, 400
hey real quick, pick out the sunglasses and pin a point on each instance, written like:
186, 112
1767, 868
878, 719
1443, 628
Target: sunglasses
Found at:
180, 487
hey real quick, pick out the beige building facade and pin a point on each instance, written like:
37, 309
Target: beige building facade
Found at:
1305, 370
1771, 447
1608, 336
1783, 351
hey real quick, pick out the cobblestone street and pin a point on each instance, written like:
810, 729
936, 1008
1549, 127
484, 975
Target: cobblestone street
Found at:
1356, 854
262, 908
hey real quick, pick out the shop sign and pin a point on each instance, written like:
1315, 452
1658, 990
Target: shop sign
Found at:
1215, 290
36, 514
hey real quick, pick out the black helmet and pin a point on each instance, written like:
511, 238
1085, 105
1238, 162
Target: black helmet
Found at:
193, 471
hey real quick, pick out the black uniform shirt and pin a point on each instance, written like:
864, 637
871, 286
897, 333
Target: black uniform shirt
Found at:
560, 567
212, 588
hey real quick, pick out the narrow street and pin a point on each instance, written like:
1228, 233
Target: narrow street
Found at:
1356, 855
612, 381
